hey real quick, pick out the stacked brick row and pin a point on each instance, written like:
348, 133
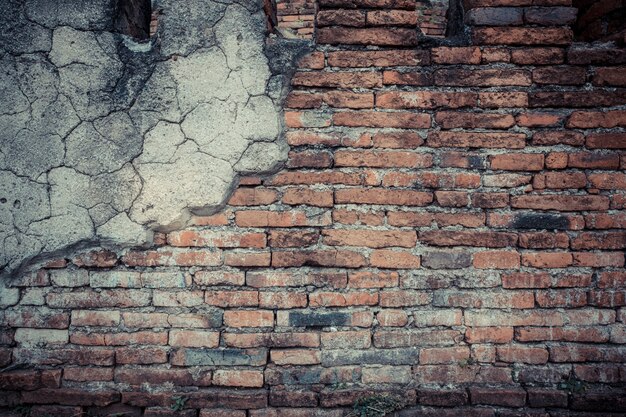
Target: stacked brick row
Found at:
448, 228
431, 17
296, 18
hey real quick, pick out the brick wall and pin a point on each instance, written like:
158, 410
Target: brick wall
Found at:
449, 228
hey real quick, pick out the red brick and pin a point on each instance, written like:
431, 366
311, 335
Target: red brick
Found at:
338, 258
238, 378
490, 200
397, 140
282, 300
210, 278
337, 79
496, 260
561, 202
539, 397
295, 356
95, 318
211, 238
253, 197
304, 196
560, 75
606, 140
561, 298
517, 162
536, 119
370, 218
365, 279
599, 240
468, 238
392, 318
474, 299
246, 340
522, 36
401, 120
566, 334
292, 278
423, 100
157, 376
433, 356
143, 356
384, 159
298, 119
248, 259
591, 119
391, 18
249, 318
598, 260
371, 239
503, 99
456, 55
71, 396
406, 78
314, 60
514, 397
561, 180
547, 259
404, 298
334, 299
489, 335
179, 257
219, 219
356, 59
88, 374
394, 259
452, 198
373, 36
538, 56
292, 218
482, 77
451, 120
96, 259
526, 280
612, 76
442, 397
382, 196
354, 18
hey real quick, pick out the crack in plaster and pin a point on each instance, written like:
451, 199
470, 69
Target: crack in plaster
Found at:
104, 140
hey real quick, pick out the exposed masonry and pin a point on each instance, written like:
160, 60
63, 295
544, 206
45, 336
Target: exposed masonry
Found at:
105, 140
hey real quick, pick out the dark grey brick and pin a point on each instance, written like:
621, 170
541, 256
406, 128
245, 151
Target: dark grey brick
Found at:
302, 319
540, 221
407, 356
495, 16
446, 260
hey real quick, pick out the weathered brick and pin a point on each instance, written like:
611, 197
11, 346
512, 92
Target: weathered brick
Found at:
239, 378
522, 36
249, 318
219, 357
387, 375
398, 119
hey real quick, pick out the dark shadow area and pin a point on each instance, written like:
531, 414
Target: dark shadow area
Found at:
600, 21
133, 18
446, 26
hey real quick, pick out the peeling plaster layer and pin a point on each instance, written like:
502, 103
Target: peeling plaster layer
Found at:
104, 140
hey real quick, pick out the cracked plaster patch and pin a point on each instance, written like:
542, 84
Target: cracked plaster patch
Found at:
104, 140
